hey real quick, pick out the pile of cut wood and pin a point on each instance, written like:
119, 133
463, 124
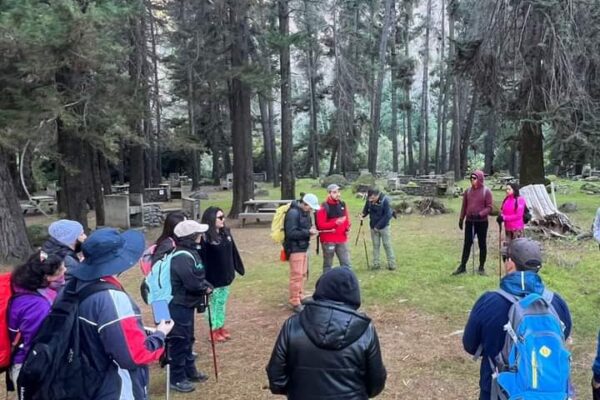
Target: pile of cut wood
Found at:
425, 206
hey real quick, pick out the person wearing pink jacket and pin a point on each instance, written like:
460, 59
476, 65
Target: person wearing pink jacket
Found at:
511, 213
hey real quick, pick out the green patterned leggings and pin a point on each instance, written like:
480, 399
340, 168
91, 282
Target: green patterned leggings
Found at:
218, 304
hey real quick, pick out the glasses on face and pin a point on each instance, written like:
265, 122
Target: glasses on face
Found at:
221, 217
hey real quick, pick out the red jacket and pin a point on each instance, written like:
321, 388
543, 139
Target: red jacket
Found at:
325, 222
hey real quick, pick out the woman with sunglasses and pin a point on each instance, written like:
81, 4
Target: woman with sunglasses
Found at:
221, 260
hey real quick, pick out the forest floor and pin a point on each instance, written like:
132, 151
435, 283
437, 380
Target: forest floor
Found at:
419, 310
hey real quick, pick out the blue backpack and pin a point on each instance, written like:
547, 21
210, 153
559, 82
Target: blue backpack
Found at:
534, 363
159, 278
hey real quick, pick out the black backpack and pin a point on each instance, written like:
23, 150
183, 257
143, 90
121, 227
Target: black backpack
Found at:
55, 366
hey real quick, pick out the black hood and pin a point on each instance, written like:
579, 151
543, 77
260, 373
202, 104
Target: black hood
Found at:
53, 246
331, 325
339, 285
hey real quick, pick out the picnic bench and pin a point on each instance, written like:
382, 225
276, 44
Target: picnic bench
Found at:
261, 210
45, 203
501, 182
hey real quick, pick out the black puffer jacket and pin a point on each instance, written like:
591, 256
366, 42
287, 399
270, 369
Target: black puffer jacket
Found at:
188, 276
221, 259
328, 351
297, 229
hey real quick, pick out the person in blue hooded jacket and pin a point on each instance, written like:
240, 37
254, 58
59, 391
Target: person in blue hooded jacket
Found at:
484, 333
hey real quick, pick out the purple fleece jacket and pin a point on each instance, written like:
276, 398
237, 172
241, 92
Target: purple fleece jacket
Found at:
27, 312
477, 202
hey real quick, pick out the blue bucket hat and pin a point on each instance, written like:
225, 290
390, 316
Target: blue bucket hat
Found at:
108, 252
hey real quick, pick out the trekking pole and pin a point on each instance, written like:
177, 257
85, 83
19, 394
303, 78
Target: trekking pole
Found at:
168, 369
358, 233
212, 339
365, 246
499, 252
473, 249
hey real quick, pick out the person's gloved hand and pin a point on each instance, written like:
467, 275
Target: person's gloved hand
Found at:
460, 224
500, 219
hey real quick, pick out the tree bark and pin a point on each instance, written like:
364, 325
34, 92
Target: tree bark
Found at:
394, 88
288, 184
268, 138
424, 124
407, 100
97, 186
490, 141
14, 243
239, 104
456, 161
440, 147
466, 134
157, 162
378, 89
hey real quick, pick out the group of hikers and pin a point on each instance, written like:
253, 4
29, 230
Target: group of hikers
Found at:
327, 348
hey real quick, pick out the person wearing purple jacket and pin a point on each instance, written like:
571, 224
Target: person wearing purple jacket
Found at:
35, 285
476, 206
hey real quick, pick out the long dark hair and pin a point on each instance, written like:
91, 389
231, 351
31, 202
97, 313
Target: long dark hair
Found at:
172, 219
515, 187
32, 274
209, 217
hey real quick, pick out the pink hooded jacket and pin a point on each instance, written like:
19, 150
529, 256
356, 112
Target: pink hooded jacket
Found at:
513, 217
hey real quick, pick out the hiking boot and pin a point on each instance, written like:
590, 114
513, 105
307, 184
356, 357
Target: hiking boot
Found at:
217, 336
481, 271
225, 333
459, 270
183, 386
376, 266
198, 377
391, 267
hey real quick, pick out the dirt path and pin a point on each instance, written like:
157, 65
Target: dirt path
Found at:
423, 357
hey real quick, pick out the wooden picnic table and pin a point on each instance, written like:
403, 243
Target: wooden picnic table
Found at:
44, 202
261, 210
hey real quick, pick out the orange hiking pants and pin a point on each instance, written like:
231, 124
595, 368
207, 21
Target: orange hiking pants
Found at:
298, 271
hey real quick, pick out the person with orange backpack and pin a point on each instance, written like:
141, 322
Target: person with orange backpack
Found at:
35, 285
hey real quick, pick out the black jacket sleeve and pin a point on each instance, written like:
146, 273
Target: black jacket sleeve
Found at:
293, 231
376, 373
238, 264
193, 277
386, 213
277, 369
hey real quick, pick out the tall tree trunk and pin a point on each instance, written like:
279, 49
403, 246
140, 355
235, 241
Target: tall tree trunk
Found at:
105, 176
137, 60
424, 124
394, 88
97, 186
14, 243
276, 176
466, 134
193, 154
490, 141
378, 88
157, 162
288, 184
239, 105
456, 162
314, 133
267, 136
407, 100
440, 147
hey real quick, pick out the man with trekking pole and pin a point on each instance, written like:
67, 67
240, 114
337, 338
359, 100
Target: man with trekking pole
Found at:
476, 206
380, 214
333, 222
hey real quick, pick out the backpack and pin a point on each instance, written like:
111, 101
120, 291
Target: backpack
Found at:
159, 278
55, 366
278, 224
146, 259
5, 298
526, 215
534, 362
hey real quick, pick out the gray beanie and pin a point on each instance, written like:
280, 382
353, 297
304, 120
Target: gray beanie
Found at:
65, 231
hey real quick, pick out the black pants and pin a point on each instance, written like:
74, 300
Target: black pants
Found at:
180, 342
480, 229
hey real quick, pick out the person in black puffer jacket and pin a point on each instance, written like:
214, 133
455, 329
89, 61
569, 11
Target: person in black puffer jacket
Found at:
329, 350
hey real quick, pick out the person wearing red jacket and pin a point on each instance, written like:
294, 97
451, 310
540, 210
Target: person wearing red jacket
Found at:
333, 223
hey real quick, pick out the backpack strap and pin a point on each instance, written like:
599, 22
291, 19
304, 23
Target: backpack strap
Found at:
510, 297
181, 252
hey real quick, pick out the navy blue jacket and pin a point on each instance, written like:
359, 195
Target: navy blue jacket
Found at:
380, 212
490, 314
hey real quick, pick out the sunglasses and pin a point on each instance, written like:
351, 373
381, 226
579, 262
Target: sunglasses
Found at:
473, 178
221, 217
